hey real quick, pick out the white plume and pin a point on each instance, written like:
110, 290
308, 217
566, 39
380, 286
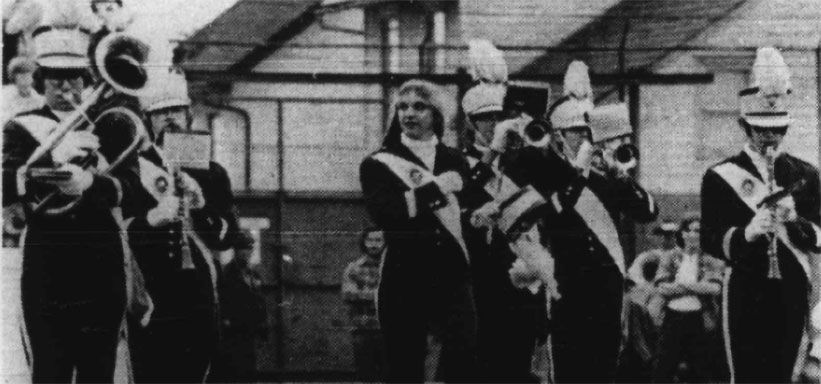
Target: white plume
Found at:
770, 73
577, 81
69, 14
487, 63
24, 16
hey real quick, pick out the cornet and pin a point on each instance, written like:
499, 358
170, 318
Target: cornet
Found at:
119, 60
621, 160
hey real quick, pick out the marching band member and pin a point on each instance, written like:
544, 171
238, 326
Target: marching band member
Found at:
172, 246
410, 188
768, 243
511, 318
73, 281
583, 233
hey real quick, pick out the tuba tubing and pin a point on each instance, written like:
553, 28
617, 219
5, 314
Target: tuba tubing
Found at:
120, 61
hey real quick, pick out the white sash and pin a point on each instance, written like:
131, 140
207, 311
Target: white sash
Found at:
598, 219
449, 215
38, 127
751, 190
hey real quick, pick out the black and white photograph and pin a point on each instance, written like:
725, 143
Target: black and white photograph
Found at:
411, 191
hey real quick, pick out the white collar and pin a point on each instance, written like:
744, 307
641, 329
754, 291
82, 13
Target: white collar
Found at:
756, 156
413, 143
424, 150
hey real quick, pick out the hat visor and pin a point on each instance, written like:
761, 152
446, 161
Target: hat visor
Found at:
486, 109
63, 62
169, 103
768, 121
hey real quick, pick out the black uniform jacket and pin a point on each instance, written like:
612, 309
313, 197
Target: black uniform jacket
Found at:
574, 245
423, 259
157, 249
725, 215
81, 252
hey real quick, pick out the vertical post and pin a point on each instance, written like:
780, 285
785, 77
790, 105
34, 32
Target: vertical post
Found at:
634, 106
815, 297
279, 330
818, 97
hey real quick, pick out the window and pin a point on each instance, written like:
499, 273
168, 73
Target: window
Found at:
439, 37
393, 42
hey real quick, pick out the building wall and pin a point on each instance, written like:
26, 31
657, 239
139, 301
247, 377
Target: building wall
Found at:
540, 23
324, 59
687, 128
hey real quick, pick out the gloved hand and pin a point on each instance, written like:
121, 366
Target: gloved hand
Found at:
193, 191
449, 182
79, 181
485, 216
504, 128
785, 209
75, 144
529, 249
760, 225
521, 275
584, 157
166, 212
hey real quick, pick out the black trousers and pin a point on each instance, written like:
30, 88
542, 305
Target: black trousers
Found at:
766, 319
683, 339
73, 307
508, 335
408, 317
586, 327
180, 342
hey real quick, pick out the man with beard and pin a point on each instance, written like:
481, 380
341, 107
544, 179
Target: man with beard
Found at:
189, 212
360, 282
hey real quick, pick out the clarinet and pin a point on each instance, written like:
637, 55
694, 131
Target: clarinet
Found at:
184, 214
774, 271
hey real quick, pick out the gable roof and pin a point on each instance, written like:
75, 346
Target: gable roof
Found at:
648, 29
245, 31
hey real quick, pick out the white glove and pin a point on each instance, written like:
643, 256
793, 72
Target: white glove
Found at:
79, 181
529, 249
485, 216
504, 128
816, 317
449, 182
75, 144
166, 212
785, 209
523, 276
760, 225
584, 157
193, 191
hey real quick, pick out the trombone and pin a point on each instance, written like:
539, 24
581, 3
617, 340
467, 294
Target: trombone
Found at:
120, 62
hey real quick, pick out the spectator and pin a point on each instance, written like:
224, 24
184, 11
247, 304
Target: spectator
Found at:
20, 96
645, 309
359, 286
243, 314
690, 282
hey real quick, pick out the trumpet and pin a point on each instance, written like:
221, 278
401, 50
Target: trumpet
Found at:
537, 133
120, 61
619, 161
